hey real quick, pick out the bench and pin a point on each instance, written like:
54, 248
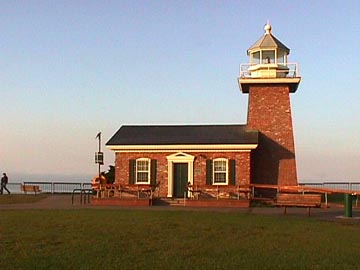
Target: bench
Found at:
30, 188
298, 200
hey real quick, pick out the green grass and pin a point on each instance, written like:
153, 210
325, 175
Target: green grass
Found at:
21, 198
140, 239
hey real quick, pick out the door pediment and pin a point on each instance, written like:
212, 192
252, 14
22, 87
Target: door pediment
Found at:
180, 156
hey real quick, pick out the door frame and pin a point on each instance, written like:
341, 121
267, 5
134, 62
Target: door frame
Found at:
179, 157
181, 180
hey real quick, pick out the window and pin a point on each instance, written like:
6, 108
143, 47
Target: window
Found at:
220, 171
281, 58
268, 57
143, 170
255, 58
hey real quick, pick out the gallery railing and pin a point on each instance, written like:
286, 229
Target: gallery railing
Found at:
291, 70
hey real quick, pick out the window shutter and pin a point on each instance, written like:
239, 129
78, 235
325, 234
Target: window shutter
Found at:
153, 172
209, 172
232, 173
132, 164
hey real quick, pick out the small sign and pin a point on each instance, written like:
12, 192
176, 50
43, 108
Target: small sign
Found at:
99, 158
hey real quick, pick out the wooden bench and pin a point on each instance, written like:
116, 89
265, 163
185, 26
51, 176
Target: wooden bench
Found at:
298, 200
30, 188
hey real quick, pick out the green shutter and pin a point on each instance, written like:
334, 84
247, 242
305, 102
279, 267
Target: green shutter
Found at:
209, 172
232, 173
153, 172
132, 164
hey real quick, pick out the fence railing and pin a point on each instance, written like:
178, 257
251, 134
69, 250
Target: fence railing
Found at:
50, 187
68, 187
353, 186
291, 72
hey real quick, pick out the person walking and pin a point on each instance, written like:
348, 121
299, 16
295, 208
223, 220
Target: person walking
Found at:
4, 181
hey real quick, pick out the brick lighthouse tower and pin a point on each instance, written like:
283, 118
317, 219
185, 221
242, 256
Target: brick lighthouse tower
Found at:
269, 79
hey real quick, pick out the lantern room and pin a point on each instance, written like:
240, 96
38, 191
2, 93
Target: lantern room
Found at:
268, 57
268, 63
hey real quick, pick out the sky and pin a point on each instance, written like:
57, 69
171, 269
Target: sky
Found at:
70, 69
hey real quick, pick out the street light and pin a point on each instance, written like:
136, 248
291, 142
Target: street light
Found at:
99, 156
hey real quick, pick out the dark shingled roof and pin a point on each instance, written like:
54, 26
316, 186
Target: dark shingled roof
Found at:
183, 135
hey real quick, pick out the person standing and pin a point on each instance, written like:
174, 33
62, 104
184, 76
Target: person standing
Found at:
4, 181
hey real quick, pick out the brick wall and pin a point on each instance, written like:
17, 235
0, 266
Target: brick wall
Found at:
269, 111
242, 166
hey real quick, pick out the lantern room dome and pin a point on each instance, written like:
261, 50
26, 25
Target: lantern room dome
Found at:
268, 41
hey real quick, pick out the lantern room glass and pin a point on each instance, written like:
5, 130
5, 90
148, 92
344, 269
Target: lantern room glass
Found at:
282, 58
268, 57
255, 58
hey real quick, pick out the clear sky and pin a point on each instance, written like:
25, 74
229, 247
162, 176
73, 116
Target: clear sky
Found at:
69, 69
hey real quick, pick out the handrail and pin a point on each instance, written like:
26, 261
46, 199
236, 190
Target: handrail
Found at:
304, 188
353, 186
85, 191
292, 72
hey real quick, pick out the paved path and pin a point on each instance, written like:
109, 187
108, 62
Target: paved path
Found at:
65, 202
50, 202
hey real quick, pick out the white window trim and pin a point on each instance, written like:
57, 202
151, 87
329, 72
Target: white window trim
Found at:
148, 171
226, 175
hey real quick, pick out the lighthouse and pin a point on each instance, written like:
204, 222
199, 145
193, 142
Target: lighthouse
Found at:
269, 79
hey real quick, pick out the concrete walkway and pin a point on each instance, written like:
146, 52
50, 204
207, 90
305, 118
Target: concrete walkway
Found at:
65, 202
50, 202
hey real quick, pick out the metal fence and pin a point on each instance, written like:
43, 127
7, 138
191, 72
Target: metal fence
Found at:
68, 187
353, 186
50, 187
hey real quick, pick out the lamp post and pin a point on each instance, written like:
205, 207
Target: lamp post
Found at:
99, 156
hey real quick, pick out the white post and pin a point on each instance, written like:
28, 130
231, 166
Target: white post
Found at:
170, 179
326, 200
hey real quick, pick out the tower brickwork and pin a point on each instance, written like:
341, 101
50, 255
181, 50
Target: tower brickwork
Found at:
269, 79
269, 112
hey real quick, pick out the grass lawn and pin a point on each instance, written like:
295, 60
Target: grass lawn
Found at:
140, 239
